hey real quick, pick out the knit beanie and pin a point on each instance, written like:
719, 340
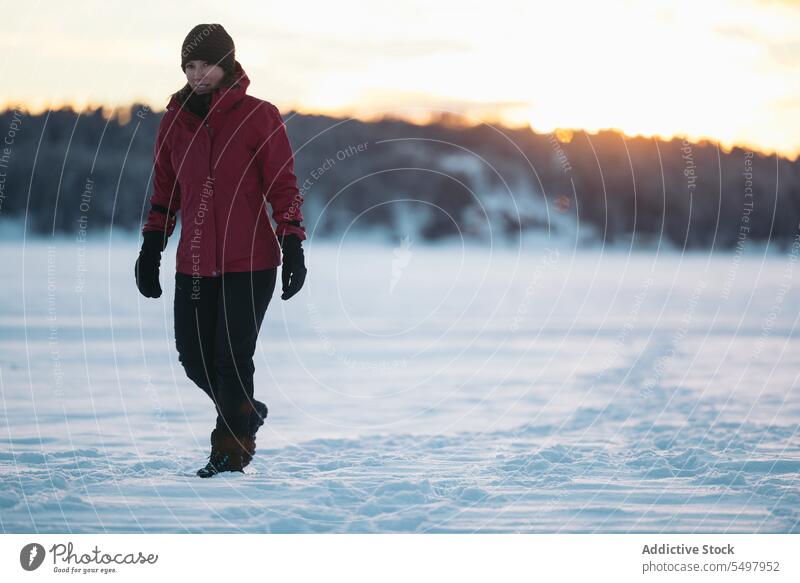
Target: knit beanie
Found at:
210, 43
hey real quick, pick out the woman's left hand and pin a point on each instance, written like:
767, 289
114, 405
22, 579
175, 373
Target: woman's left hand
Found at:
293, 272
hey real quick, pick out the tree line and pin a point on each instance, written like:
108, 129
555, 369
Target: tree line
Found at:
75, 172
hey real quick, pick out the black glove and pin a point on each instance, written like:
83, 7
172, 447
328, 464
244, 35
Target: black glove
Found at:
293, 272
146, 268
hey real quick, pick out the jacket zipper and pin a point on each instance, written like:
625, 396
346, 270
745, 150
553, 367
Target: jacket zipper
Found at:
214, 189
210, 146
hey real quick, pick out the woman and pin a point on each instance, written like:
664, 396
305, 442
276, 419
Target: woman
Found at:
220, 156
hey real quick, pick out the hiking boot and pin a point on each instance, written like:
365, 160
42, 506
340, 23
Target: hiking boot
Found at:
218, 462
228, 454
257, 417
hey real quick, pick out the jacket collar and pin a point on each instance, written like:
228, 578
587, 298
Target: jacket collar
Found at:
223, 98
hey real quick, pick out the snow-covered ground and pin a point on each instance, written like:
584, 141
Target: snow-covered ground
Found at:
414, 389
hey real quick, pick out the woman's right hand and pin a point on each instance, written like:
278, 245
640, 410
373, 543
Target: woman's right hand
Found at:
293, 272
148, 263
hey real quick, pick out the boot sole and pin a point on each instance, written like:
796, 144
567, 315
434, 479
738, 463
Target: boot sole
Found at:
202, 474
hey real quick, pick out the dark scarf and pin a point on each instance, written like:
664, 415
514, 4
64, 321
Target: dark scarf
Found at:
199, 104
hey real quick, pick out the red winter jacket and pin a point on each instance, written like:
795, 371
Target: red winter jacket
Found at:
220, 174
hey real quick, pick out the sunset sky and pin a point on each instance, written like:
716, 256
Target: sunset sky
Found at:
728, 70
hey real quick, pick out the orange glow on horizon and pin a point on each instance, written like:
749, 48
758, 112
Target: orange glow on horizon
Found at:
424, 116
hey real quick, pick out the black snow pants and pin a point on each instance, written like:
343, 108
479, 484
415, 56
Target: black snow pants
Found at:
217, 320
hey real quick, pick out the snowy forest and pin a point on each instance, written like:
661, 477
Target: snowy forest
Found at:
66, 171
